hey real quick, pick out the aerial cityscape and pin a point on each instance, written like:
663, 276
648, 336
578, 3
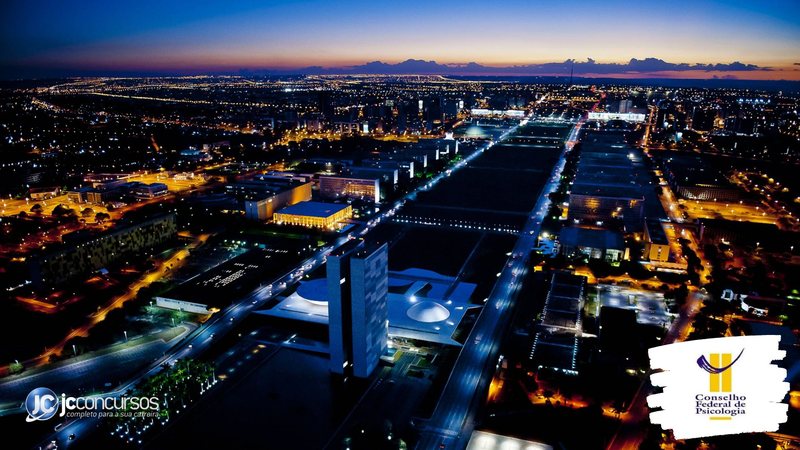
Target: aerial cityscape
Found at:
363, 226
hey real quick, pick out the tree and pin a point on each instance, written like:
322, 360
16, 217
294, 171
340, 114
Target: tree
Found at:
37, 209
15, 367
101, 217
63, 211
87, 212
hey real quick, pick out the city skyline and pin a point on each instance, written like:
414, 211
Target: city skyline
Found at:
740, 40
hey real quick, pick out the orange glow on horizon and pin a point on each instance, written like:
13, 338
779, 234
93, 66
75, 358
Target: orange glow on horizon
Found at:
188, 64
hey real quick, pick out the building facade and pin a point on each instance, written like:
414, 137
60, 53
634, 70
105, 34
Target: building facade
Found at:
96, 252
264, 208
592, 243
600, 203
314, 214
347, 187
358, 313
656, 247
44, 193
153, 190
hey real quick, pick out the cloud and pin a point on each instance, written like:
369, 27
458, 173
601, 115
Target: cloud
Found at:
588, 67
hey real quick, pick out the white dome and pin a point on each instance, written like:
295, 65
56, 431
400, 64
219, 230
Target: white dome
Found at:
314, 291
428, 312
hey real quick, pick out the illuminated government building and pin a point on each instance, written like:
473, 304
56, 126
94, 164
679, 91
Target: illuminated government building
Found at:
348, 187
273, 196
358, 291
599, 203
607, 186
314, 214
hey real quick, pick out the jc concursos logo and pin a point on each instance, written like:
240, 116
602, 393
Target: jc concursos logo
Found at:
41, 404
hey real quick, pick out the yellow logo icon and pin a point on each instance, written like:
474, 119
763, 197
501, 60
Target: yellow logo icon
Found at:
720, 370
720, 382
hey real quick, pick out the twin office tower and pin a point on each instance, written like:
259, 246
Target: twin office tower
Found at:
358, 314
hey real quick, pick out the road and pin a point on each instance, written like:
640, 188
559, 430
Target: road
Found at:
452, 420
77, 374
675, 228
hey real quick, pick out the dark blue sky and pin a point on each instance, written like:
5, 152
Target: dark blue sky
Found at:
198, 36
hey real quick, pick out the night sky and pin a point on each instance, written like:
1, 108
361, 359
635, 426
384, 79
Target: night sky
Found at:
51, 37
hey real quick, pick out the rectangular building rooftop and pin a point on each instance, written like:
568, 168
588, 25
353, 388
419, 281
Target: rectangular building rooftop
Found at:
555, 344
314, 209
610, 191
656, 232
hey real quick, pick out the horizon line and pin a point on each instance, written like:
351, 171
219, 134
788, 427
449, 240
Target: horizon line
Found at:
646, 68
